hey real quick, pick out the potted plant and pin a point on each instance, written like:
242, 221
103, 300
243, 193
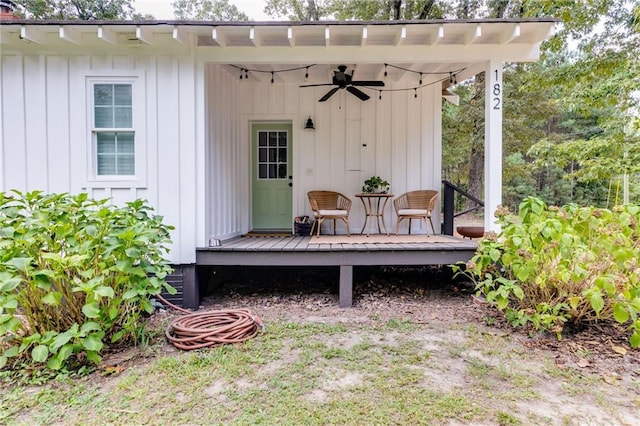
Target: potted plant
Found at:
375, 185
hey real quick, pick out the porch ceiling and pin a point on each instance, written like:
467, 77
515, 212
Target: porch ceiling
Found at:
434, 48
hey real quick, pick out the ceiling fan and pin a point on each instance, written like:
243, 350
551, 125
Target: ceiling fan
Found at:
345, 81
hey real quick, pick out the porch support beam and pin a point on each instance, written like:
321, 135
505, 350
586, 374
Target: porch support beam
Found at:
492, 143
404, 53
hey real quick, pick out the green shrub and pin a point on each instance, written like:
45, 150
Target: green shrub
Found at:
75, 274
553, 267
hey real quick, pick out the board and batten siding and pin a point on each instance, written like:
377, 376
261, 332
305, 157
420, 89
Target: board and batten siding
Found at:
396, 137
46, 133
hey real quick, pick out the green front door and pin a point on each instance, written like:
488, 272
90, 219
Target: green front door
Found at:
272, 175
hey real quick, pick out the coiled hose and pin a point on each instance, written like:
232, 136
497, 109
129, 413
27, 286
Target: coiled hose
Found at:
197, 330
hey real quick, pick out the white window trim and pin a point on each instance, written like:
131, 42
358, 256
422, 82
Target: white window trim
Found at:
137, 81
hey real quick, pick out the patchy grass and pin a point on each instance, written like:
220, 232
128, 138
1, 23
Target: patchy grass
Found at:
397, 372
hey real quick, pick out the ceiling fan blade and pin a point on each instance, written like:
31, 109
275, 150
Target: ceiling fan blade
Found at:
316, 85
371, 83
363, 96
329, 94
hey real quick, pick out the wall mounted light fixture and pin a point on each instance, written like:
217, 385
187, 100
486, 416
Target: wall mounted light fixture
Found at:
309, 124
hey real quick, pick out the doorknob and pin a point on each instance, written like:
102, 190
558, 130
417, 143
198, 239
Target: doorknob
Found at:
290, 177
290, 184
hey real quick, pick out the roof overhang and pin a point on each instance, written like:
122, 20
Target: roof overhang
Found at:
429, 46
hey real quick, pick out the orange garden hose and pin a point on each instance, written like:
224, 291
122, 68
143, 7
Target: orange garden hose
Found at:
196, 330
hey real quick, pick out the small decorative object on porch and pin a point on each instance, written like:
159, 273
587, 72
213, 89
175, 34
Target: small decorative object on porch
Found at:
375, 185
302, 225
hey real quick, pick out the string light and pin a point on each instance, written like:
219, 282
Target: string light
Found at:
273, 73
244, 74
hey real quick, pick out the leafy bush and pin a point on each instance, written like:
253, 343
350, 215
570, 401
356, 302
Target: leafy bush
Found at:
553, 267
75, 274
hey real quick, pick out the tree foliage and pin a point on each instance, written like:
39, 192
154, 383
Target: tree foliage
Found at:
78, 9
202, 10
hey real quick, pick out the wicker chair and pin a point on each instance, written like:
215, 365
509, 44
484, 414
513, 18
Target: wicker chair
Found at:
415, 205
329, 205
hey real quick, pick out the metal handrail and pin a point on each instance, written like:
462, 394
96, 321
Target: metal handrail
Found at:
448, 200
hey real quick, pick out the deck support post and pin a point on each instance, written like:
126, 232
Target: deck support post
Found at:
346, 286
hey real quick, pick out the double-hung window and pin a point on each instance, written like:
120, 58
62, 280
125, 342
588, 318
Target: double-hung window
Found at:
116, 130
113, 129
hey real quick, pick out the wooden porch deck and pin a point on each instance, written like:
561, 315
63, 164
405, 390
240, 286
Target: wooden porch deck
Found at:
299, 251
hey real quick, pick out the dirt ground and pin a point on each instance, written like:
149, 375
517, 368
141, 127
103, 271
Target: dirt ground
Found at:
598, 359
420, 295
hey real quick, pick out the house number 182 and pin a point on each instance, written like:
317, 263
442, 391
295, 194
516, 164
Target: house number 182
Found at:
497, 93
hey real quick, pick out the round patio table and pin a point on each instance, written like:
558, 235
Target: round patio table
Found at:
374, 210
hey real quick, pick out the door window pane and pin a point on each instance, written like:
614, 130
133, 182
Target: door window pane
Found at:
272, 152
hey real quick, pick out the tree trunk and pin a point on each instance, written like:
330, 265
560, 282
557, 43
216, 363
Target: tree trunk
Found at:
395, 9
476, 156
426, 9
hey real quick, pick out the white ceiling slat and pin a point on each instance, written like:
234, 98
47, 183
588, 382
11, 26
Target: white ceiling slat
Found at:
402, 36
32, 34
439, 36
472, 35
365, 35
218, 37
179, 35
254, 37
144, 34
509, 35
107, 35
69, 35
290, 38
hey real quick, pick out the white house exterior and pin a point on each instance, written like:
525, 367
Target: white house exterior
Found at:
168, 97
